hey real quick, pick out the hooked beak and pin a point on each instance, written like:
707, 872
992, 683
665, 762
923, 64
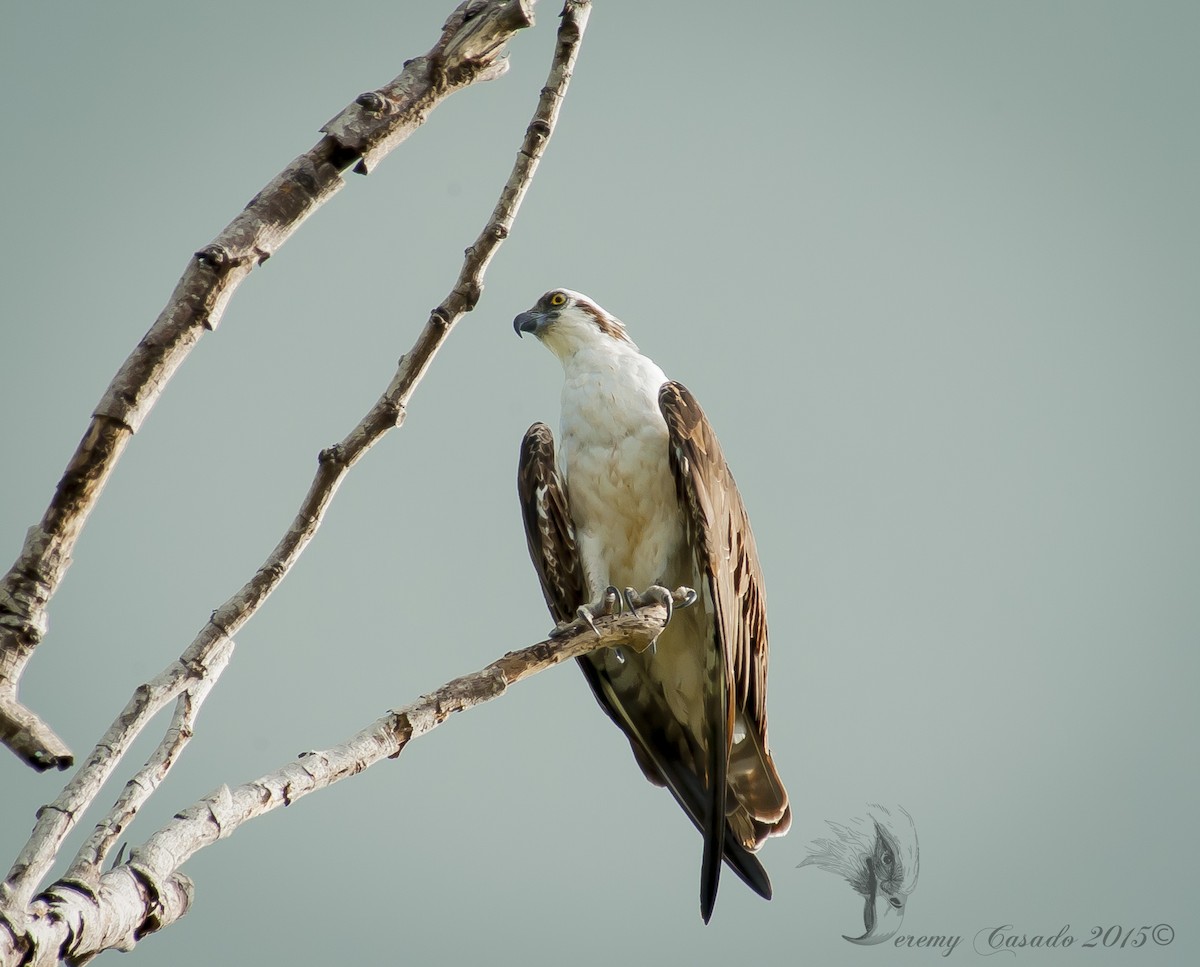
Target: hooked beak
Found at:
882, 916
531, 321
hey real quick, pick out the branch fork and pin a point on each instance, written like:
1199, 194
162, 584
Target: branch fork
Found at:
74, 920
87, 911
470, 50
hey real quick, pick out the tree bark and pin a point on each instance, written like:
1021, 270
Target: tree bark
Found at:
200, 661
73, 920
470, 49
86, 912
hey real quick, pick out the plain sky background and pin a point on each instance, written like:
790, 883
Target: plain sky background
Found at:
931, 267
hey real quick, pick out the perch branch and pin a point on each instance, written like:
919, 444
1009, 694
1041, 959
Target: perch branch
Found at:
471, 49
74, 921
56, 820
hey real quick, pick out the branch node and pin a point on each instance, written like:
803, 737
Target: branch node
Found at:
84, 887
273, 570
331, 455
215, 622
401, 728
471, 291
396, 412
50, 807
216, 256
373, 102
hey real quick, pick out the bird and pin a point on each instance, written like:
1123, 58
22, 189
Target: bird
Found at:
638, 495
878, 855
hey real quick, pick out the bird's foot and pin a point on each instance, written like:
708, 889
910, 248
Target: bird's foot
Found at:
608, 604
613, 602
657, 594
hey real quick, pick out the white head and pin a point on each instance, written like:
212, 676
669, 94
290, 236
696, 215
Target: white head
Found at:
568, 322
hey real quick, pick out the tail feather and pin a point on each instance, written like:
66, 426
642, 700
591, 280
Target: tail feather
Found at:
714, 822
760, 802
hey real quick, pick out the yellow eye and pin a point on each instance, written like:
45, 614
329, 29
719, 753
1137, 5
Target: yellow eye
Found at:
557, 299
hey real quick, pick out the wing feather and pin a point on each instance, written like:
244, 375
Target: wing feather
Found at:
548, 529
727, 557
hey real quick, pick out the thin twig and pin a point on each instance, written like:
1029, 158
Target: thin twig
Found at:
470, 49
85, 868
55, 821
204, 660
75, 921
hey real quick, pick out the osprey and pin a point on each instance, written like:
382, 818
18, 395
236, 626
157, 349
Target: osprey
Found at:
639, 496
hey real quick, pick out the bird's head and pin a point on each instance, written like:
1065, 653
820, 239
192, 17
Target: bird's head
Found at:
568, 322
878, 856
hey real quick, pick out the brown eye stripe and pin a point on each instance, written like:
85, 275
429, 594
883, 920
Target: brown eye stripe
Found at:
608, 326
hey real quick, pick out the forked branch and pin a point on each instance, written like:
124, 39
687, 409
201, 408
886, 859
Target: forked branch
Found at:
190, 677
470, 49
74, 921
207, 655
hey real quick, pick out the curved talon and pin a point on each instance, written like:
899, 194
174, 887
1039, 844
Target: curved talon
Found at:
612, 601
632, 600
683, 597
585, 614
659, 595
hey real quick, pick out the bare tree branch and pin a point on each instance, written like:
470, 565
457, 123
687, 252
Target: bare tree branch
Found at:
203, 661
190, 677
470, 49
86, 865
74, 920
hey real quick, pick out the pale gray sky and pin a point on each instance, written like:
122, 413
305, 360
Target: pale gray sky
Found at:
931, 268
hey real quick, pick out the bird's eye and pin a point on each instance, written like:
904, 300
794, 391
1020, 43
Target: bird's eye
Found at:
557, 299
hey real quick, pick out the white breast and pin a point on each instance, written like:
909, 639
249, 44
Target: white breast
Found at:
614, 457
628, 522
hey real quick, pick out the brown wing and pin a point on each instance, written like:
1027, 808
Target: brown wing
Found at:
548, 529
726, 556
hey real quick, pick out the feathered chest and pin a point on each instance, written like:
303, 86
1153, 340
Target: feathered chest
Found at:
614, 458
